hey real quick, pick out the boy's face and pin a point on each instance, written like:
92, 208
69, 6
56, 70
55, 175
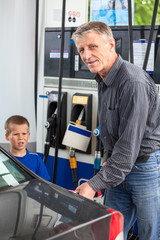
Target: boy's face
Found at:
18, 136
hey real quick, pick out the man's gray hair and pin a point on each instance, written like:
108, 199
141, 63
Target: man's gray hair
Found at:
93, 26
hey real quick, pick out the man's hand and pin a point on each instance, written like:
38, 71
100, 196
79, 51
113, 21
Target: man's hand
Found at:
104, 163
86, 191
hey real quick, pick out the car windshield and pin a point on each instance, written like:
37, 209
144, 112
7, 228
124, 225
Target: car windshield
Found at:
11, 174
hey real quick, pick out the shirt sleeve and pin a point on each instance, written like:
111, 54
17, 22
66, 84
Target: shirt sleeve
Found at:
133, 113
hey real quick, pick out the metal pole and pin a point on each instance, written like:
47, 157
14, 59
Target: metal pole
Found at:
130, 30
59, 92
151, 34
36, 57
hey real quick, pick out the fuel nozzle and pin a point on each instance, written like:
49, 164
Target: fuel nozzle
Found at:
98, 155
72, 155
51, 126
79, 120
97, 159
52, 121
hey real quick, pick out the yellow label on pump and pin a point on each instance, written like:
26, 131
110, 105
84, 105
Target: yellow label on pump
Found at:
80, 99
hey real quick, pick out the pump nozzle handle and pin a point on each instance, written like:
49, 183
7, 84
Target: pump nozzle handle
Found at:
79, 120
72, 156
51, 122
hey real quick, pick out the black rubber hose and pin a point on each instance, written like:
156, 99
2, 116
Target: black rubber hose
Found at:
151, 34
36, 58
130, 30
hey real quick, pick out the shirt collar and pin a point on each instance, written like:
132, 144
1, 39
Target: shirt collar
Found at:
109, 79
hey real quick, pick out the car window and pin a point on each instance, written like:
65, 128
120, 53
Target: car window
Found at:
11, 174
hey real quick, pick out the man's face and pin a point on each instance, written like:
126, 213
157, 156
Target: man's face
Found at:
18, 136
96, 52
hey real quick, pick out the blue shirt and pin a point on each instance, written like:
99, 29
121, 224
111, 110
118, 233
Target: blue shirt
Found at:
129, 120
35, 163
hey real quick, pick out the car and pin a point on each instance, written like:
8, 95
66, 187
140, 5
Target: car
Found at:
33, 208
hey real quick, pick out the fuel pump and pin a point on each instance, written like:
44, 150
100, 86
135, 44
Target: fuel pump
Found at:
77, 136
82, 106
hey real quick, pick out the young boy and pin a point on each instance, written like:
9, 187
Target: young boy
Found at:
18, 134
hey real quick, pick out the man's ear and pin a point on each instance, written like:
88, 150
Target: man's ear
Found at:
112, 44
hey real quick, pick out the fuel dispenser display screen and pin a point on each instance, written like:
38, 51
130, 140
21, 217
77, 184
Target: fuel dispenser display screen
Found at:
140, 34
53, 51
73, 66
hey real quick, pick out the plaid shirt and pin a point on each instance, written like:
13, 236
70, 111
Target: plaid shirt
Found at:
129, 120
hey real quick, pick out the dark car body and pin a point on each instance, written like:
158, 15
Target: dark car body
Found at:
32, 208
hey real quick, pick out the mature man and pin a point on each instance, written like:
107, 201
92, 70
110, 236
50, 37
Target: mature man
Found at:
129, 120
